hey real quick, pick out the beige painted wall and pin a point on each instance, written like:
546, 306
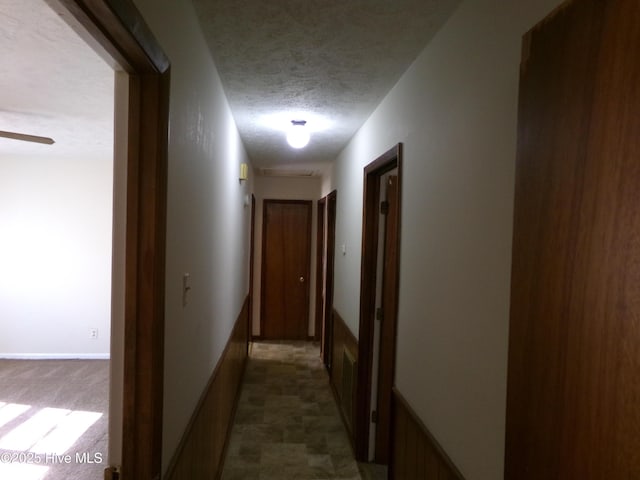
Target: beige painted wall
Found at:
207, 224
455, 111
284, 188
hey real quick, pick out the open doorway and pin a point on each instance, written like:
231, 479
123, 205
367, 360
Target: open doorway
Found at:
117, 32
56, 204
378, 306
326, 266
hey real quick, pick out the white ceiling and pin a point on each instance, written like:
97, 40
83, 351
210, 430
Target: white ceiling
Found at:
328, 62
52, 84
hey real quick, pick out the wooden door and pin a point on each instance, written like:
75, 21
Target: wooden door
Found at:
573, 403
388, 321
286, 257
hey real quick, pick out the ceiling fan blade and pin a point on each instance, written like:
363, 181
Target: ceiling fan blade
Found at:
27, 138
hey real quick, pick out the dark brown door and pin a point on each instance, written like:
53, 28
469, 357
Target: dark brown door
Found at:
286, 257
388, 321
573, 403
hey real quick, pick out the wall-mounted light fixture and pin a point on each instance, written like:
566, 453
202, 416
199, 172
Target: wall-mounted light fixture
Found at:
298, 135
244, 171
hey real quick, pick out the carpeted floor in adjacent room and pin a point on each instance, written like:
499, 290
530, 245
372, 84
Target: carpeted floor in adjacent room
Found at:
53, 419
287, 424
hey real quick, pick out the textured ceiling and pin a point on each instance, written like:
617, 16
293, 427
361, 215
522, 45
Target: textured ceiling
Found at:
325, 61
52, 84
329, 62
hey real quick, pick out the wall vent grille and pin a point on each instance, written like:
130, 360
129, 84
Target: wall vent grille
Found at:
283, 172
348, 380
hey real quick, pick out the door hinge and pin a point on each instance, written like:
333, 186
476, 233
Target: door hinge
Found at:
384, 207
379, 313
111, 473
374, 416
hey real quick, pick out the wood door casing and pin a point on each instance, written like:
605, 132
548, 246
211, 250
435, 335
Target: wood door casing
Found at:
320, 269
286, 257
574, 342
327, 329
373, 172
119, 34
388, 323
252, 247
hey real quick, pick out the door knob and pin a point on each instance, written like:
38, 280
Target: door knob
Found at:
301, 279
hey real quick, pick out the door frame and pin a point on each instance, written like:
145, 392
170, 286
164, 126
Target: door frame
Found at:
252, 244
265, 203
373, 172
327, 327
116, 30
320, 273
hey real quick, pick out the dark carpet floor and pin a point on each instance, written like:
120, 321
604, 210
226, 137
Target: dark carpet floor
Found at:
53, 419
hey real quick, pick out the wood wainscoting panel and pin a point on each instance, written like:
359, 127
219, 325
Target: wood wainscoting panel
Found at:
415, 453
343, 340
201, 451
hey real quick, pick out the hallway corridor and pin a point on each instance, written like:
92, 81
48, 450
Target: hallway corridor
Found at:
287, 424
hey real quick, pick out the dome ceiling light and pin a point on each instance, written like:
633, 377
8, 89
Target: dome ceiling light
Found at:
298, 135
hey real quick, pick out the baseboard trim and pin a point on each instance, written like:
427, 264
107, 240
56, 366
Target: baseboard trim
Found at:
201, 451
414, 451
55, 356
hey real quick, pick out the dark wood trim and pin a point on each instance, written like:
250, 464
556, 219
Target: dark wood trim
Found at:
262, 267
416, 453
144, 307
350, 339
320, 254
372, 174
388, 325
252, 242
117, 31
327, 328
265, 203
202, 448
342, 338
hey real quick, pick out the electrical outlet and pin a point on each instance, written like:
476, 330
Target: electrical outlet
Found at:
93, 333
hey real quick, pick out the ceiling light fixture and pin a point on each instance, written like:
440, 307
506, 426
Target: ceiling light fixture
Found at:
298, 135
